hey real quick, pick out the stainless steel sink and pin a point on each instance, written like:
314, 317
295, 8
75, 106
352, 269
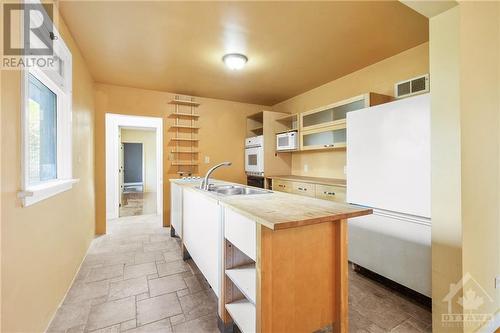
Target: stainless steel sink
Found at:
236, 190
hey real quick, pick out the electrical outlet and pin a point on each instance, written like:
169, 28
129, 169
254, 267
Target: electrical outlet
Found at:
497, 282
306, 168
207, 159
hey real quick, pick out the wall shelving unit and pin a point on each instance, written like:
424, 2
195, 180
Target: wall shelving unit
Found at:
184, 142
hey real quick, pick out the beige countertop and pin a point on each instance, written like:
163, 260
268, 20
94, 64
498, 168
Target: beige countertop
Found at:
314, 180
278, 210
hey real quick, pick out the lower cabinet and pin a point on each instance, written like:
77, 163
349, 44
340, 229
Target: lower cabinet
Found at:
305, 189
283, 280
319, 191
202, 234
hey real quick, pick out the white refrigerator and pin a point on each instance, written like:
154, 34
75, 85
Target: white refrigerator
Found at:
388, 169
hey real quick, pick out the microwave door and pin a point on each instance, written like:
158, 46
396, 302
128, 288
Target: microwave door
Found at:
283, 142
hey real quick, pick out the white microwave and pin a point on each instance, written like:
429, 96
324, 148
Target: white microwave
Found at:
286, 141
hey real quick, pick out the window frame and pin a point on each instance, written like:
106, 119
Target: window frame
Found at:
61, 86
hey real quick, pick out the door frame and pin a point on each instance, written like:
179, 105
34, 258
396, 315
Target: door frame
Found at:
113, 124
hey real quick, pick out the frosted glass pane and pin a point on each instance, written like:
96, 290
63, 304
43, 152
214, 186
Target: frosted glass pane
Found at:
42, 132
332, 114
325, 138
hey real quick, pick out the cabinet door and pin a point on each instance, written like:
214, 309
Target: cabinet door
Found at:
332, 114
282, 185
330, 192
326, 138
176, 208
303, 189
202, 234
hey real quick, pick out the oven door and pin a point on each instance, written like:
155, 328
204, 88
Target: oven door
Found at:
254, 159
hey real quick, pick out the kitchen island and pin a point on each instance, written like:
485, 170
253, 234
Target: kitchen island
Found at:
276, 261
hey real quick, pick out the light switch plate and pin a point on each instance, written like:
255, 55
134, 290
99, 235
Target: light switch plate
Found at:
207, 159
306, 168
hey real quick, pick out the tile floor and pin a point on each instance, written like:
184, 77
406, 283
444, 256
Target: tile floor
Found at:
138, 203
133, 279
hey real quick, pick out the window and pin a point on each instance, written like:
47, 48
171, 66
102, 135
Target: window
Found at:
46, 121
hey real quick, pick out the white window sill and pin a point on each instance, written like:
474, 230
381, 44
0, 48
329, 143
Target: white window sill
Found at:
34, 194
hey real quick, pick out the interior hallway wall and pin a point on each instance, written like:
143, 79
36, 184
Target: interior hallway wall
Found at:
43, 245
222, 134
379, 78
148, 140
465, 69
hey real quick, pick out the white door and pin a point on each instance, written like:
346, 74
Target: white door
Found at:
121, 171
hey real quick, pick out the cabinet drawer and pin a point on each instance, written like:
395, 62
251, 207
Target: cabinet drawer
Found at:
330, 192
303, 189
241, 232
282, 185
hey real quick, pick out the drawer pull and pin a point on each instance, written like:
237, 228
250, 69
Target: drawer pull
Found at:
326, 146
302, 189
329, 193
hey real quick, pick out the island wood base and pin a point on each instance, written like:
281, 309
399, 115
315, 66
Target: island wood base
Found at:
301, 279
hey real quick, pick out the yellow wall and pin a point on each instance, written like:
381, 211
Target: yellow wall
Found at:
446, 159
148, 140
378, 78
465, 67
221, 135
44, 244
480, 133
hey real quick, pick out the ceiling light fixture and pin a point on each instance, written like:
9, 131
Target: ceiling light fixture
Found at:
235, 61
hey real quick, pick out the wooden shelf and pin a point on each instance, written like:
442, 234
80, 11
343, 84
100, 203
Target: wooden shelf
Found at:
185, 163
184, 151
257, 129
289, 117
183, 114
184, 126
244, 278
184, 102
183, 139
288, 131
243, 314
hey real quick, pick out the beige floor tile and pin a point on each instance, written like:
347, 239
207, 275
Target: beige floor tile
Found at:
125, 288
156, 308
193, 284
173, 267
198, 304
159, 246
207, 324
161, 326
110, 329
148, 257
170, 256
128, 325
80, 292
69, 316
111, 313
165, 285
105, 272
133, 271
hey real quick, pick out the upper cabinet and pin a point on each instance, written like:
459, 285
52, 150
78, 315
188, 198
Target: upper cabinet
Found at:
325, 127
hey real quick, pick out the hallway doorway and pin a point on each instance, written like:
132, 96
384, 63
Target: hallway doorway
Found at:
134, 168
138, 176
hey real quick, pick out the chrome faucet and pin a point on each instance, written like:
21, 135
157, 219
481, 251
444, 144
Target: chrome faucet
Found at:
205, 183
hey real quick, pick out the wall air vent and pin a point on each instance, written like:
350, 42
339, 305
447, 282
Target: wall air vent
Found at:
417, 85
